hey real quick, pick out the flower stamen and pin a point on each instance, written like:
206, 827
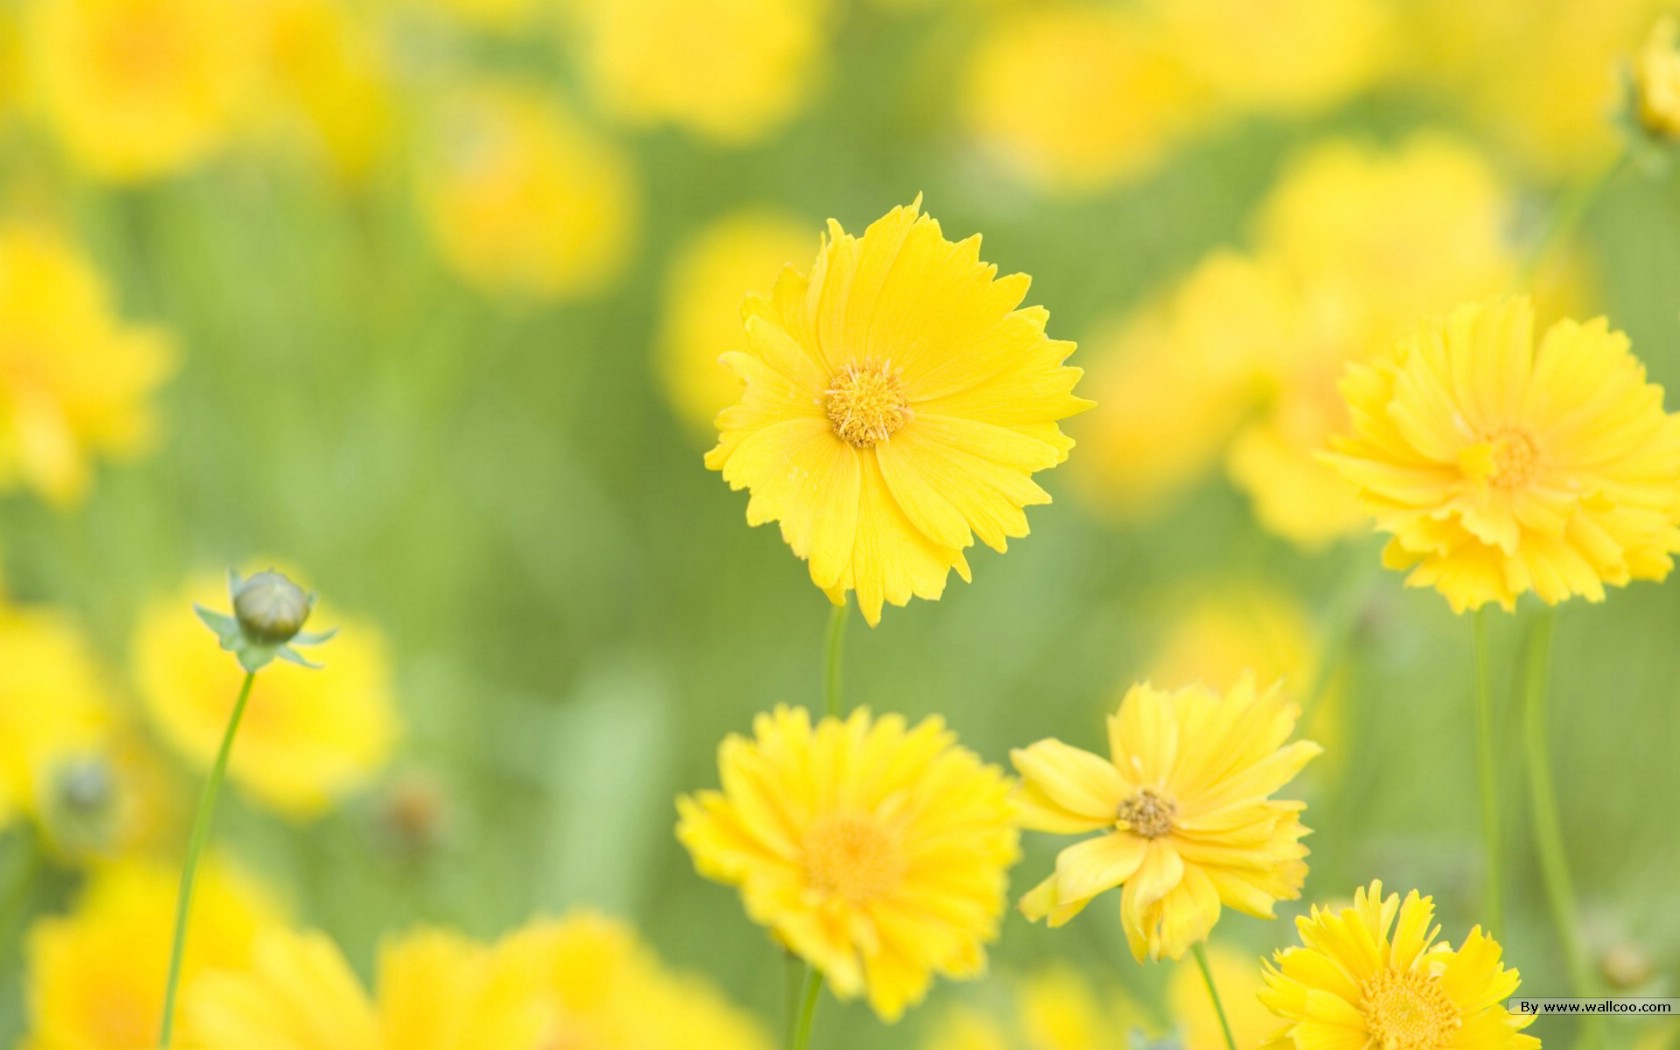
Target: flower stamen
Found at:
852, 857
1150, 815
865, 403
1407, 1011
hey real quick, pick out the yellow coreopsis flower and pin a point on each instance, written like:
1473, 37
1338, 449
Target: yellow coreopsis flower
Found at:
309, 736
1501, 465
74, 380
876, 851
136, 89
1373, 975
54, 707
524, 199
1053, 1009
1656, 79
583, 981
732, 70
94, 979
897, 402
1184, 804
1076, 98
702, 315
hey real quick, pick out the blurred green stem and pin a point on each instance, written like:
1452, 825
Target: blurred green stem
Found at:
1489, 775
1213, 993
836, 646
195, 847
1566, 214
1548, 829
21, 893
800, 1037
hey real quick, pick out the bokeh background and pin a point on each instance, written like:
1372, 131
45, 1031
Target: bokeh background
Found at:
422, 299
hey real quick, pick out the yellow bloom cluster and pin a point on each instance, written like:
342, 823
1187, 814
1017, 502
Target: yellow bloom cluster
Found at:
1241, 360
875, 850
75, 381
1503, 464
580, 981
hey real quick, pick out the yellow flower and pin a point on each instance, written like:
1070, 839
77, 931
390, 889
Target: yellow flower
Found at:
1076, 98
95, 978
1656, 78
308, 736
1183, 802
702, 315
74, 380
1297, 56
523, 199
897, 403
875, 851
1239, 984
731, 70
1372, 975
56, 707
136, 89
1053, 1009
328, 84
582, 981
1501, 466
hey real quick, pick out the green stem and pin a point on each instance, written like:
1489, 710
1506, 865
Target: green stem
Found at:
1566, 215
195, 847
21, 893
831, 659
1548, 829
800, 1037
1489, 775
1213, 993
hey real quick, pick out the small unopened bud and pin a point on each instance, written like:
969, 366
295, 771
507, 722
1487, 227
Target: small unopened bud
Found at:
1656, 80
271, 608
1626, 965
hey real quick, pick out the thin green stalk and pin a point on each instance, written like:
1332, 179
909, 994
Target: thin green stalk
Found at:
800, 1037
21, 893
831, 659
1548, 829
1566, 214
195, 847
1213, 993
1489, 775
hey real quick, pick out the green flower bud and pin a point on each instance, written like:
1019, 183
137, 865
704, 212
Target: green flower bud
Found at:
270, 608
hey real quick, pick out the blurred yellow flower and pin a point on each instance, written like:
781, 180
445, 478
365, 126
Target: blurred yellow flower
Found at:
897, 403
875, 851
94, 979
1076, 98
1656, 78
1174, 382
1293, 56
55, 707
491, 16
1055, 1008
1183, 804
308, 737
1239, 983
731, 70
522, 199
704, 287
136, 89
74, 379
582, 981
1372, 975
1501, 466
327, 87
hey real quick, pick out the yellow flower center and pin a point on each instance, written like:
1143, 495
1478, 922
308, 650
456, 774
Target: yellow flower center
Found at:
1149, 814
1407, 1011
865, 403
1508, 459
853, 857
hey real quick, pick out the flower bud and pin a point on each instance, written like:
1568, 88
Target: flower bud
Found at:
271, 608
1656, 80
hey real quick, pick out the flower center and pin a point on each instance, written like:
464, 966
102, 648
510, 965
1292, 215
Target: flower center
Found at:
1507, 459
1149, 814
1407, 1011
852, 857
865, 403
